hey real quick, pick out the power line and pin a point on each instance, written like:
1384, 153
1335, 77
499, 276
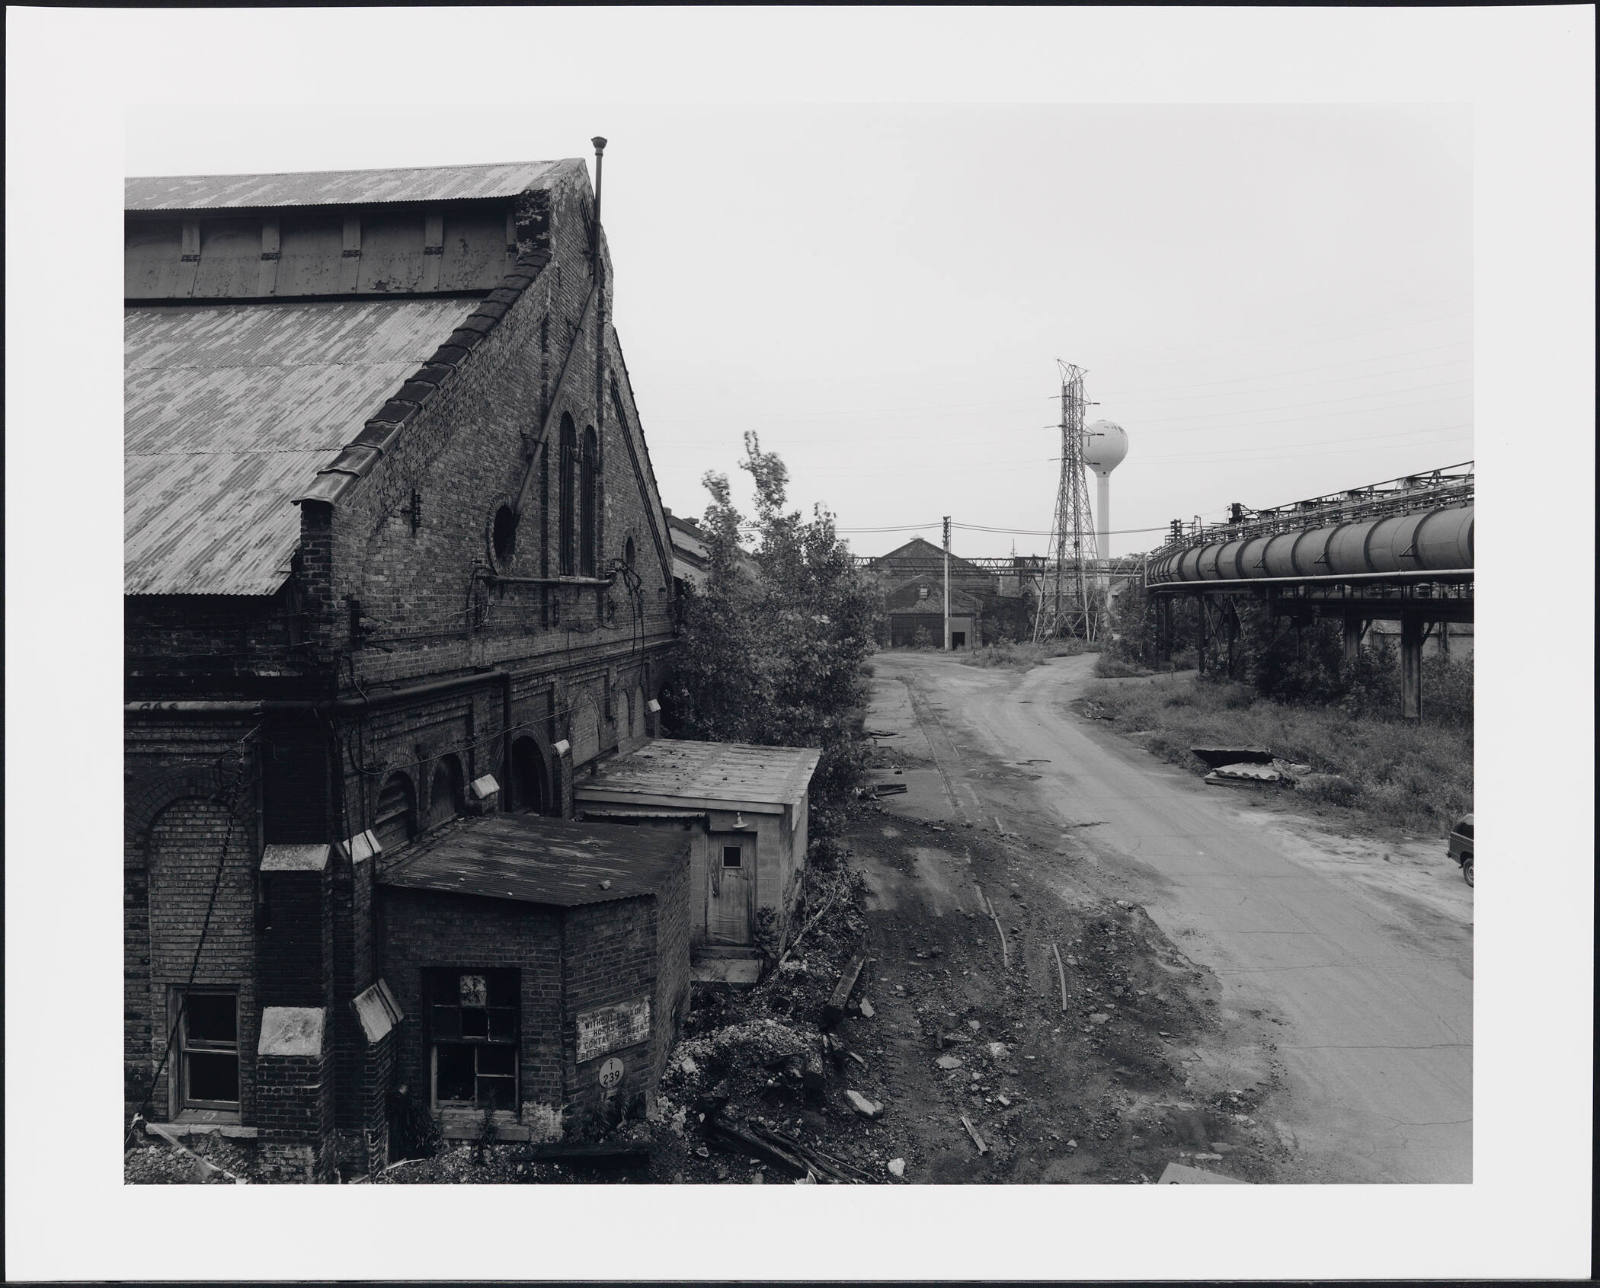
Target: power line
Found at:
1320, 402
1139, 395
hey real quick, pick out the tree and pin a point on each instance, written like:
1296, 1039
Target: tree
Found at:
773, 647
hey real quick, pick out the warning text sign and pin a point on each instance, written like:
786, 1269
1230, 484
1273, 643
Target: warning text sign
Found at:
606, 1028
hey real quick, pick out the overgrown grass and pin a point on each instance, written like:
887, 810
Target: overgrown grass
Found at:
1382, 771
1020, 657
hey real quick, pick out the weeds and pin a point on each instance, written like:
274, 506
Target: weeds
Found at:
1025, 656
1417, 777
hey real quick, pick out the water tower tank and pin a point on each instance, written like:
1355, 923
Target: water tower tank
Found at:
1105, 444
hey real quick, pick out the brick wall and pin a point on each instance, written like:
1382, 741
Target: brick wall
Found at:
610, 956
571, 961
423, 930
185, 845
294, 1112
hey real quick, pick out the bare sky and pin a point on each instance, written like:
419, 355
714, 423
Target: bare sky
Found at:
1273, 300
868, 234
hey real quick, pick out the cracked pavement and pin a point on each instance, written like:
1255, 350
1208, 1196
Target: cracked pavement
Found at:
1357, 951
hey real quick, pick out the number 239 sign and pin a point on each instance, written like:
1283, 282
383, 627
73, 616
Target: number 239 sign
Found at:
611, 1074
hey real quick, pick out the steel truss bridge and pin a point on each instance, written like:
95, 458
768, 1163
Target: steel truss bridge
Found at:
1400, 550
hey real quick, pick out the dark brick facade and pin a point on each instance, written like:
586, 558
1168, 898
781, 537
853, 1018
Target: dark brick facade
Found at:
404, 643
568, 960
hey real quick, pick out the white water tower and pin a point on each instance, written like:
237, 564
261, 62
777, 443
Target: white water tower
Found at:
1105, 443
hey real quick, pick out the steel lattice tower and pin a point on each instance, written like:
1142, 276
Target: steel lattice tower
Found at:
1067, 605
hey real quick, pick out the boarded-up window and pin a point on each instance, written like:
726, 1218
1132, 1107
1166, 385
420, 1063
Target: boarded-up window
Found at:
585, 730
395, 819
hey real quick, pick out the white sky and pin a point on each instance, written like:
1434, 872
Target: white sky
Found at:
1273, 300
825, 229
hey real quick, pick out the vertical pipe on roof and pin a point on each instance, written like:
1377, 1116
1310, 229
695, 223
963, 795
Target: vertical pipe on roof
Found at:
597, 492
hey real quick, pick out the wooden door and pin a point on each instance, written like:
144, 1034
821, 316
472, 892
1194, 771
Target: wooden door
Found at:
730, 911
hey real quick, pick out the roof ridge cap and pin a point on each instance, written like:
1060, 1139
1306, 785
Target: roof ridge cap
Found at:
356, 458
380, 169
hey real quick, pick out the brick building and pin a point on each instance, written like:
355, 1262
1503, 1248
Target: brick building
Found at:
394, 558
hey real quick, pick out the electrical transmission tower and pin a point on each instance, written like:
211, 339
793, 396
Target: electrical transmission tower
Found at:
1067, 602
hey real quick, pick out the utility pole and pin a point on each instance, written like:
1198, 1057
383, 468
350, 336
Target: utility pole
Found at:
947, 583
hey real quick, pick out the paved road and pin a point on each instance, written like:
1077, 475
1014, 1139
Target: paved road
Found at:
1361, 951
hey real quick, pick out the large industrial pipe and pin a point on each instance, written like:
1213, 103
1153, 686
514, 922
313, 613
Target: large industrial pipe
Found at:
1438, 541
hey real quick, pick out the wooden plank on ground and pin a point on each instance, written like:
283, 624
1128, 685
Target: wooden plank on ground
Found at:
833, 1009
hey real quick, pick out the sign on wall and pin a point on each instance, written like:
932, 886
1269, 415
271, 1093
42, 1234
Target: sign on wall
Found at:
606, 1028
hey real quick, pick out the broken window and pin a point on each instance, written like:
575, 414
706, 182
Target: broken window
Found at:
472, 1017
208, 1050
732, 856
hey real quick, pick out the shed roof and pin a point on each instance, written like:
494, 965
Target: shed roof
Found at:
229, 410
540, 860
339, 187
732, 775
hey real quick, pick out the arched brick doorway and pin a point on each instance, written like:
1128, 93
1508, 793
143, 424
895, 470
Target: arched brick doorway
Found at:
530, 784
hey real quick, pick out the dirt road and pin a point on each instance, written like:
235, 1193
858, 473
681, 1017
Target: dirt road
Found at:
1344, 965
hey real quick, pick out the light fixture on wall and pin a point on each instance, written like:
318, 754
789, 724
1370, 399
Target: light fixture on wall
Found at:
738, 820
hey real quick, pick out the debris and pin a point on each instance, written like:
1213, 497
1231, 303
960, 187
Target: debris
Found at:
1218, 756
1245, 774
948, 1062
974, 1025
856, 1058
973, 1132
888, 789
1179, 1174
997, 1050
866, 1009
866, 1108
1099, 1017
1005, 954
605, 1156
1004, 1100
833, 1010
1123, 903
1061, 975
816, 917
897, 1167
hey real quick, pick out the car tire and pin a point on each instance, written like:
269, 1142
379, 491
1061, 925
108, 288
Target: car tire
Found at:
1466, 869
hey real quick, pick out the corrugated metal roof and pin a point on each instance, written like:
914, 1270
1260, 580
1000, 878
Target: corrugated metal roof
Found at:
229, 410
338, 187
540, 860
732, 774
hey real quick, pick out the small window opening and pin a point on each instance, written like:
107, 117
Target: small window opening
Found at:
732, 856
504, 537
473, 1021
628, 552
209, 1050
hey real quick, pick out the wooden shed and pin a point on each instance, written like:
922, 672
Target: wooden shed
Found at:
744, 808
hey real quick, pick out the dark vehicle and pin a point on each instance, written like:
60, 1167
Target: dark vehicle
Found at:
1461, 846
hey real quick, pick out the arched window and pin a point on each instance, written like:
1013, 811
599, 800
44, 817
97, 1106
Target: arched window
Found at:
569, 466
591, 510
395, 820
527, 777
445, 797
628, 554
